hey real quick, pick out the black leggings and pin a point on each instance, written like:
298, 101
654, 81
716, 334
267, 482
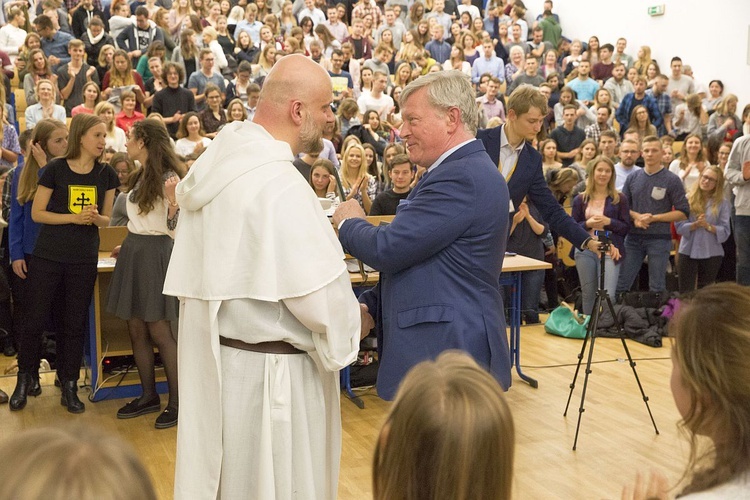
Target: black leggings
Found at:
703, 270
49, 282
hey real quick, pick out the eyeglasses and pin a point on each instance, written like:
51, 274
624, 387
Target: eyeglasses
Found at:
708, 179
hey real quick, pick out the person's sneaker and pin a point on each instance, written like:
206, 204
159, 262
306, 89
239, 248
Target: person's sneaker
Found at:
137, 407
167, 419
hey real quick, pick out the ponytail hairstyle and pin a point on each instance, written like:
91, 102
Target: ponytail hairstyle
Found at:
29, 179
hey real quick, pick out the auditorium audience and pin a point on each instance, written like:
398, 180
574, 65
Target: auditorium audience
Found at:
214, 76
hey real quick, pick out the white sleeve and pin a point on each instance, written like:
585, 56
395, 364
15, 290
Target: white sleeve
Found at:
332, 315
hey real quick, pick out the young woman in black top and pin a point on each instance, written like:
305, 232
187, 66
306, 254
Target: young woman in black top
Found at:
74, 198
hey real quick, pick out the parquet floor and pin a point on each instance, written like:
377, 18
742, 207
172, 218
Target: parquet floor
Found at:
616, 437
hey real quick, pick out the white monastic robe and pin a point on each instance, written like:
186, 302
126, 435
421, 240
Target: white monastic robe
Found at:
256, 259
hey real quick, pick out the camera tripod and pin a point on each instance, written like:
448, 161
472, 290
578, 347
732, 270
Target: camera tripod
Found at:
602, 298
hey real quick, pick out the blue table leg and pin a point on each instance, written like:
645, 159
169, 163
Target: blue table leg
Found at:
513, 280
346, 384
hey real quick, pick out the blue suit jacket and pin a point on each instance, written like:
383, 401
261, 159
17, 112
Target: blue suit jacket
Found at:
528, 180
439, 263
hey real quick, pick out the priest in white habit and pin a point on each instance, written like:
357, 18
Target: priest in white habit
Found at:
267, 313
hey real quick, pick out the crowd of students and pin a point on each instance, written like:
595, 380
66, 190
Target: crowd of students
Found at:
92, 72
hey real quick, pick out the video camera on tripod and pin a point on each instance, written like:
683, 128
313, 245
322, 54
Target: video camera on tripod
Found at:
604, 238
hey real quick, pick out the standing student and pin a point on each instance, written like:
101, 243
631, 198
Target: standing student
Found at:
601, 207
49, 140
74, 198
142, 261
657, 197
323, 180
401, 174
707, 227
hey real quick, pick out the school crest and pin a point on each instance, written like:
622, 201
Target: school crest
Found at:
79, 197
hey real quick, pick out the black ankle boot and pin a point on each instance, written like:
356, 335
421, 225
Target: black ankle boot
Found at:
23, 388
69, 397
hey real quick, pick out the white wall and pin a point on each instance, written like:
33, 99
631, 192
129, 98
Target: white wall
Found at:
711, 36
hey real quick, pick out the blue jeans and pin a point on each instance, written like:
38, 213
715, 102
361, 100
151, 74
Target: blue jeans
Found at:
742, 241
636, 248
587, 265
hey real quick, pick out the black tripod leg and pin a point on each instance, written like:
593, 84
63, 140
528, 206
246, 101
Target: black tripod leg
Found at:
578, 366
621, 333
591, 331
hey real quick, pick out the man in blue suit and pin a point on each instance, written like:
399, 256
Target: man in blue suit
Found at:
440, 258
520, 164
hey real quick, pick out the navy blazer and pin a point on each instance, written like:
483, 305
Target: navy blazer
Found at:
439, 261
619, 216
528, 180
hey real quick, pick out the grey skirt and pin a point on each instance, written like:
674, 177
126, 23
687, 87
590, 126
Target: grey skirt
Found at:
138, 280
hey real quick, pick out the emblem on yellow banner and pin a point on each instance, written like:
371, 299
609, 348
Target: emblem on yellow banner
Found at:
79, 197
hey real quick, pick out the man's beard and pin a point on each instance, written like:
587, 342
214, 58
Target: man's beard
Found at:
310, 136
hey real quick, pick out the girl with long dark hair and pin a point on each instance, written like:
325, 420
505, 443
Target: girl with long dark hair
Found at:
142, 261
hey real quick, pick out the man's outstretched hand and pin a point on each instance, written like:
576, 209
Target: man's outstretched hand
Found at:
368, 323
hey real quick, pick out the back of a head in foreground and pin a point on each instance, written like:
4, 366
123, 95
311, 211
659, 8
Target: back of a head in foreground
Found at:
711, 382
76, 462
449, 435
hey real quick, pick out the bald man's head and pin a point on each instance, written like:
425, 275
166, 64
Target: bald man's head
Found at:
295, 102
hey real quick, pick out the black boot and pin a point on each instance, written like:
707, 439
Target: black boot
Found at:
69, 397
24, 386
6, 341
3, 397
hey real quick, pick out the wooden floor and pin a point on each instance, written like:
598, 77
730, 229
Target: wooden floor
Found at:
616, 437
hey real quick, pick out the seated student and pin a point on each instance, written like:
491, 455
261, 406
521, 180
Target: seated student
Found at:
448, 418
323, 180
63, 460
213, 117
401, 174
253, 95
567, 136
240, 86
710, 374
608, 145
357, 183
128, 116
691, 162
190, 136
116, 137
91, 96
236, 111
45, 107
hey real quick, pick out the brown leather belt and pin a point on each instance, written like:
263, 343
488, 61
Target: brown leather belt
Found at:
277, 347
